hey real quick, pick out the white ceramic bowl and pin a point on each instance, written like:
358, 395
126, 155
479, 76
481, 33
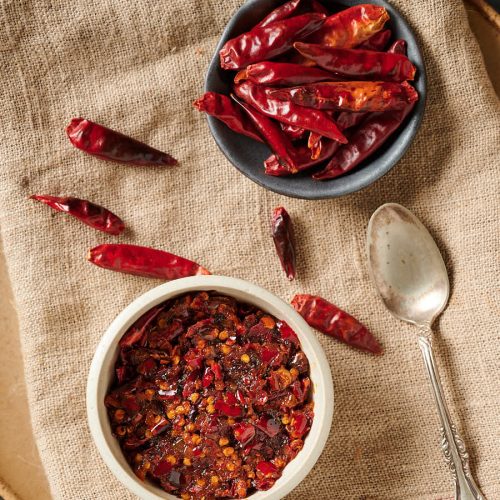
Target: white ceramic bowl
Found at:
102, 372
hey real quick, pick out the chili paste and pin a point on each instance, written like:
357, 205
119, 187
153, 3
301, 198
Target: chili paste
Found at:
212, 397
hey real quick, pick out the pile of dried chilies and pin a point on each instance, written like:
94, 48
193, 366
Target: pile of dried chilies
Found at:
318, 89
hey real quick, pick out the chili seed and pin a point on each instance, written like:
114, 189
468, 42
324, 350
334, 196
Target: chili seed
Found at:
223, 441
268, 322
245, 358
194, 397
196, 439
210, 399
228, 451
285, 420
223, 335
176, 360
214, 480
171, 414
171, 459
225, 349
230, 466
119, 415
186, 461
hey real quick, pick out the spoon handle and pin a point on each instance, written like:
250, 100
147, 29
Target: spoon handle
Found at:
453, 447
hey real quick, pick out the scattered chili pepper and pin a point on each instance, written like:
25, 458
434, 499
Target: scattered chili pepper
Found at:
143, 261
282, 12
398, 47
108, 144
85, 211
310, 119
376, 42
211, 397
352, 26
274, 137
373, 132
284, 241
350, 96
359, 64
224, 109
332, 321
269, 41
278, 73
302, 155
292, 131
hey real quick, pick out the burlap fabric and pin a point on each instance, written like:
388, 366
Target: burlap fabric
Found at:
137, 66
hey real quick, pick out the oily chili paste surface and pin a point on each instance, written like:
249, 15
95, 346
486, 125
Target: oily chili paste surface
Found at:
211, 397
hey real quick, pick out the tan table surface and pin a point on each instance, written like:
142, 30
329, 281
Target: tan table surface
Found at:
19, 461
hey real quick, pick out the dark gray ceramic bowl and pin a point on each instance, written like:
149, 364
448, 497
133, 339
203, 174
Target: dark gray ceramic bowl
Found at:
248, 155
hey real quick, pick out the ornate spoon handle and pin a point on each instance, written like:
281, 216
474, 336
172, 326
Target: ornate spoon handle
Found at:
455, 454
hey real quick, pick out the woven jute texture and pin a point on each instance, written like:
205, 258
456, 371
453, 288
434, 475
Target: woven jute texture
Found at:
137, 66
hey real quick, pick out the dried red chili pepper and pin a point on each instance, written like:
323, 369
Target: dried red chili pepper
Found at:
350, 96
293, 132
266, 42
332, 321
310, 119
373, 132
353, 64
352, 26
303, 159
108, 144
284, 241
398, 47
143, 261
223, 108
274, 137
376, 42
279, 73
282, 12
85, 211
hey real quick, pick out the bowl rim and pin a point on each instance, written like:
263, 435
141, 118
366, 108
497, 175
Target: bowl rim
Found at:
101, 371
360, 178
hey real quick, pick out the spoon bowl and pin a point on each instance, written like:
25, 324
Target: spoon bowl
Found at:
406, 266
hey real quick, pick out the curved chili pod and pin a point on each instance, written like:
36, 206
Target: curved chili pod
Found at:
282, 12
352, 26
278, 73
350, 96
108, 144
303, 161
269, 41
274, 137
330, 320
292, 114
224, 109
398, 47
284, 241
353, 64
89, 213
372, 133
376, 42
143, 261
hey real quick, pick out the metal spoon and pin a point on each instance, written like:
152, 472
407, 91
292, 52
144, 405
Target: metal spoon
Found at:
411, 278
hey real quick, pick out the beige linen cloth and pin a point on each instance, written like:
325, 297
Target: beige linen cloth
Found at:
137, 66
